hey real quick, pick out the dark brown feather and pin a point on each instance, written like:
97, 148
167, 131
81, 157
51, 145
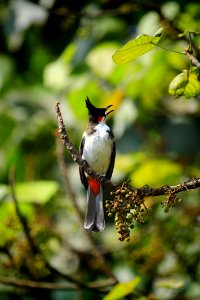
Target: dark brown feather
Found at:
112, 162
81, 172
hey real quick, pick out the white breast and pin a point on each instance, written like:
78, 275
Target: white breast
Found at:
98, 148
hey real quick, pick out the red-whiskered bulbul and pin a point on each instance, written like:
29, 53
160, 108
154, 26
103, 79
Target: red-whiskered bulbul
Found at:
97, 147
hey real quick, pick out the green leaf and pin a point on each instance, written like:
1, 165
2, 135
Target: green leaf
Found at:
36, 191
68, 53
10, 225
136, 47
156, 172
186, 84
187, 31
122, 289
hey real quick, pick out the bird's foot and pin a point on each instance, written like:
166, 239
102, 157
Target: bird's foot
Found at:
103, 177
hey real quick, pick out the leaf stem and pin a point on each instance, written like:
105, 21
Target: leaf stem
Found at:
171, 50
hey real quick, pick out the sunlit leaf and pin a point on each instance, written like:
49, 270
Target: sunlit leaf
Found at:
186, 84
68, 53
125, 163
178, 84
136, 47
10, 224
36, 191
156, 172
122, 289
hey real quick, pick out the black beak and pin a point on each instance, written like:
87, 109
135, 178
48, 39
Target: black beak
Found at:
107, 107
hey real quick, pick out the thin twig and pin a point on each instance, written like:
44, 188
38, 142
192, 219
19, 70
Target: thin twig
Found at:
22, 219
33, 247
53, 286
191, 184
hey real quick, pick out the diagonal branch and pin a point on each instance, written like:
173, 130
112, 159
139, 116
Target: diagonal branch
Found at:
31, 242
143, 191
126, 199
74, 153
22, 219
25, 283
192, 58
95, 250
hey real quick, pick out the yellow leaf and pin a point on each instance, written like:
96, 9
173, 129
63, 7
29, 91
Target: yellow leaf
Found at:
122, 289
40, 191
156, 172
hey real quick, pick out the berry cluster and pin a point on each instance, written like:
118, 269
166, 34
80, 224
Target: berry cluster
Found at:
171, 201
127, 208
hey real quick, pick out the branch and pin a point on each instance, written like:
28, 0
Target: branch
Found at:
144, 191
53, 286
192, 58
31, 242
128, 206
22, 219
75, 155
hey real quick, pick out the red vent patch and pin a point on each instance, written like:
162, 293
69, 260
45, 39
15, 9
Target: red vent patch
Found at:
94, 186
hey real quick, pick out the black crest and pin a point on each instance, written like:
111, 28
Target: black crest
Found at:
94, 111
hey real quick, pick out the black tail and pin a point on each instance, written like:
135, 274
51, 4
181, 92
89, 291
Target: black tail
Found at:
94, 219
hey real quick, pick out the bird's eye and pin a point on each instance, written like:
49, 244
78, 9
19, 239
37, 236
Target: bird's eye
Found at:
100, 119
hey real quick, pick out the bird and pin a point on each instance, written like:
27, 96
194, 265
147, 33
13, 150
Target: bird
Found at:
98, 148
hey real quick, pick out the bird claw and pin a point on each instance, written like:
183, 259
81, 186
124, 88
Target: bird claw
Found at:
103, 177
84, 162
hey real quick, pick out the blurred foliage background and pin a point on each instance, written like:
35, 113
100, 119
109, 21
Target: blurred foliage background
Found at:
62, 50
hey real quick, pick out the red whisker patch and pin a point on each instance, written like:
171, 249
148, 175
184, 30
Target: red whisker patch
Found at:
94, 186
100, 119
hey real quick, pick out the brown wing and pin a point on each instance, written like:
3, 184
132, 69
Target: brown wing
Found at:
81, 172
112, 160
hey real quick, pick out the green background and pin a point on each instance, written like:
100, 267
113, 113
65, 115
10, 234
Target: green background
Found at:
62, 50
